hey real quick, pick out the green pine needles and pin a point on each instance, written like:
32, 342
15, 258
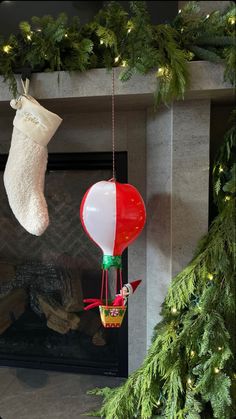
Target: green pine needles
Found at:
188, 372
119, 38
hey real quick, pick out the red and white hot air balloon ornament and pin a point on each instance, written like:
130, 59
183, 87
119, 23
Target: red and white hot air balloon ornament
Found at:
113, 215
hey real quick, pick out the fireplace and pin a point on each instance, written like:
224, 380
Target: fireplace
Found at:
43, 280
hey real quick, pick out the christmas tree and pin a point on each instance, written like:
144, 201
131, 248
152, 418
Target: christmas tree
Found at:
188, 371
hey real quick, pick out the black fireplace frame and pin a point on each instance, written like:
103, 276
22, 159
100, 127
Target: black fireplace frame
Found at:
82, 161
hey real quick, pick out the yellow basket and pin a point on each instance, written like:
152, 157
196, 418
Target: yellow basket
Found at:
112, 316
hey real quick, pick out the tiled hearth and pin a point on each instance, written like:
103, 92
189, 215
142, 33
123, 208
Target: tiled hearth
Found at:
35, 394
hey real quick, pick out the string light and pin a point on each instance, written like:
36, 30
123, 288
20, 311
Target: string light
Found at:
66, 35
39, 30
174, 310
210, 276
220, 348
179, 11
130, 26
192, 353
7, 48
124, 63
29, 37
181, 30
221, 169
158, 403
160, 71
101, 41
164, 72
227, 198
216, 370
117, 59
232, 20
189, 381
190, 55
207, 16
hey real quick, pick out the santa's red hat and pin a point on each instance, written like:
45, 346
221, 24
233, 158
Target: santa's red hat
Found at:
131, 286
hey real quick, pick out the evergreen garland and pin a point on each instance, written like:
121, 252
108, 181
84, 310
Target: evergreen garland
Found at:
118, 38
189, 370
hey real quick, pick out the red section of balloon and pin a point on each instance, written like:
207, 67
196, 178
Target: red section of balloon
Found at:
131, 216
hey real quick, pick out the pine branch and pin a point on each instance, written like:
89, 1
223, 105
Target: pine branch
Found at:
205, 54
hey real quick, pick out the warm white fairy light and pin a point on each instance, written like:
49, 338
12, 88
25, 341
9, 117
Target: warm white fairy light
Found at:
7, 48
161, 71
101, 42
199, 307
227, 198
130, 26
207, 16
221, 169
232, 20
174, 310
192, 353
158, 403
66, 35
216, 370
124, 63
220, 348
29, 37
117, 59
179, 11
210, 276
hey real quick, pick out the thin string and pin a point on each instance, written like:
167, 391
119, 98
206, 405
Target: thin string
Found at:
113, 124
121, 281
117, 273
121, 285
102, 290
106, 287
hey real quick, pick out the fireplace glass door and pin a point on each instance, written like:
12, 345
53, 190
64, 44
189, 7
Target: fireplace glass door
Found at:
43, 280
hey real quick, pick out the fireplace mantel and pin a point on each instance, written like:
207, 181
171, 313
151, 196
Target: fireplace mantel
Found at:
94, 86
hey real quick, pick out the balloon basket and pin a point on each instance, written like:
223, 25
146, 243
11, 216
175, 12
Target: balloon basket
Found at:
112, 316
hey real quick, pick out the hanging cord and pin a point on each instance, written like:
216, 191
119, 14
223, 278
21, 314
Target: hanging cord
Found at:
117, 273
113, 124
103, 280
121, 286
25, 85
106, 277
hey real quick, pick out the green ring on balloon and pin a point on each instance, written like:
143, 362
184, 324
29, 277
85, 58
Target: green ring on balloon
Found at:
108, 261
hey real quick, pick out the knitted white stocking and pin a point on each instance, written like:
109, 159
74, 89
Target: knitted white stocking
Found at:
24, 174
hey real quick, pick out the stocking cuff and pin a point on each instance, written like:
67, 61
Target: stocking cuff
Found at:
35, 121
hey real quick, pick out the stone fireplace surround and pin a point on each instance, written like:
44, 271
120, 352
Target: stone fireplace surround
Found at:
168, 161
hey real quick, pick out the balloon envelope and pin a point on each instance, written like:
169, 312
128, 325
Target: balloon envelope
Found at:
113, 215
